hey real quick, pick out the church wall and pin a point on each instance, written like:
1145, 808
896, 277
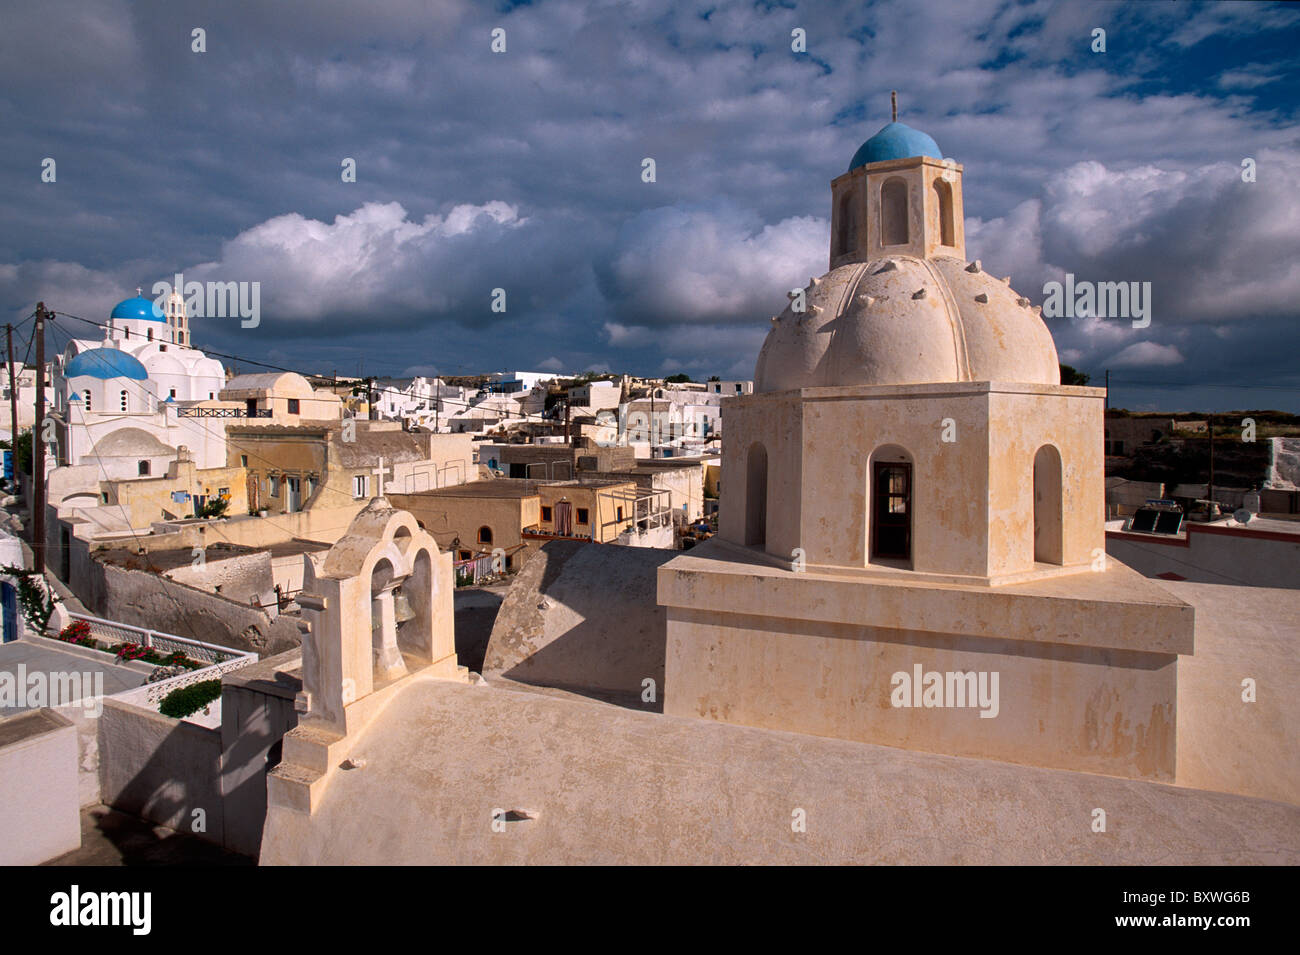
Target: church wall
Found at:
1070, 419
836, 679
774, 420
841, 432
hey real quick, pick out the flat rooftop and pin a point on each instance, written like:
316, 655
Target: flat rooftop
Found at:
606, 785
49, 658
497, 487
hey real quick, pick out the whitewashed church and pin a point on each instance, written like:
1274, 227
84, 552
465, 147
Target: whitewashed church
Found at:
134, 378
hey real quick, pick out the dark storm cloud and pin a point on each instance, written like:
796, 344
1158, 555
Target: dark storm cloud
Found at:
522, 170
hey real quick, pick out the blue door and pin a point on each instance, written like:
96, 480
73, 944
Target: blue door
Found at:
9, 610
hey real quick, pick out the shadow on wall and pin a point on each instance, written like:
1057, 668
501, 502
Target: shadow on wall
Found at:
585, 618
476, 613
162, 770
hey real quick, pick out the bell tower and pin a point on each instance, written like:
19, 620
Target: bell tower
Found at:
898, 198
177, 321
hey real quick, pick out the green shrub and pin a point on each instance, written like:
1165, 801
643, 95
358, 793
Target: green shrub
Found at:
189, 699
214, 507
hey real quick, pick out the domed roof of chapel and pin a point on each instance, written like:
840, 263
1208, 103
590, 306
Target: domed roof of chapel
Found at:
895, 141
901, 320
138, 308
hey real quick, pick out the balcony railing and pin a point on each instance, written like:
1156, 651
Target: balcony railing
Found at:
219, 660
223, 413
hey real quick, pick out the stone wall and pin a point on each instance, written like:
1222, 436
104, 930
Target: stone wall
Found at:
161, 769
583, 617
256, 711
145, 599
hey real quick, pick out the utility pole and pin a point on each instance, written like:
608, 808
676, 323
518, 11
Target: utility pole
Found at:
654, 421
1209, 490
38, 448
13, 402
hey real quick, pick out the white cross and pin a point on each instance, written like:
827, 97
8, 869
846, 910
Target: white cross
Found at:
379, 472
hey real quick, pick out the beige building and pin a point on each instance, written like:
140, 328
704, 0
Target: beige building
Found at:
914, 516
284, 397
594, 510
478, 517
295, 468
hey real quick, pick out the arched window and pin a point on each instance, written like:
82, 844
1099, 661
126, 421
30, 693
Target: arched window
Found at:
891, 495
1048, 541
124, 401
151, 334
943, 195
756, 495
485, 535
846, 234
143, 467
893, 212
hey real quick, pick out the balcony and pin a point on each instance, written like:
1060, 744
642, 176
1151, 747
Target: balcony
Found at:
223, 413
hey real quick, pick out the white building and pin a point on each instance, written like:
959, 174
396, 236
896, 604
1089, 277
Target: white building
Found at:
670, 418
595, 395
725, 388
509, 382
138, 376
25, 382
427, 403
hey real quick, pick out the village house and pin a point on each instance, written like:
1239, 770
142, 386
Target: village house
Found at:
478, 518
728, 388
25, 382
282, 397
326, 465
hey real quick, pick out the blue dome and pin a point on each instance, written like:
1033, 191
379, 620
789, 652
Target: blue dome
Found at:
139, 308
895, 141
106, 363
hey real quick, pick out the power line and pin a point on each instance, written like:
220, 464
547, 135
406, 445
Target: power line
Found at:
520, 415
1198, 384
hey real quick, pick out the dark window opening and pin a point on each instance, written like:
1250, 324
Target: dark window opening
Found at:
891, 510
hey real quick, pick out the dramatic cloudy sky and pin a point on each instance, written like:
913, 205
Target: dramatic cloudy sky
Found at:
522, 171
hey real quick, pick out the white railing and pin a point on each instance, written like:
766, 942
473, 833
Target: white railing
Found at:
149, 695
110, 631
219, 659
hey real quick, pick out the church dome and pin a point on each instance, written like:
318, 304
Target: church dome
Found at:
895, 141
139, 308
105, 363
902, 320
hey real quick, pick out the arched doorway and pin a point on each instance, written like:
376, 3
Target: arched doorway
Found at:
891, 504
1048, 542
756, 496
